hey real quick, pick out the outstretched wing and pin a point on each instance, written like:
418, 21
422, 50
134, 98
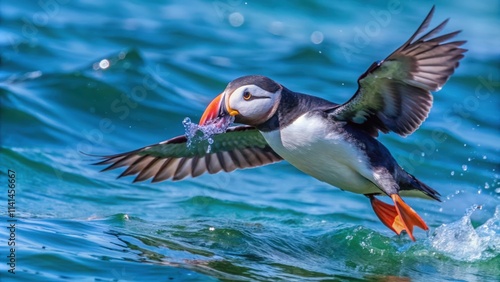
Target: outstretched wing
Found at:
395, 94
238, 147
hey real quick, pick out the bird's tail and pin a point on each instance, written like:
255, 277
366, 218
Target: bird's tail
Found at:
413, 187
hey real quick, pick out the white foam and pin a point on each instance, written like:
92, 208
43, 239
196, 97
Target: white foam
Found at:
461, 241
196, 133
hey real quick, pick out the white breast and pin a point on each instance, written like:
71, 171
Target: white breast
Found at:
310, 145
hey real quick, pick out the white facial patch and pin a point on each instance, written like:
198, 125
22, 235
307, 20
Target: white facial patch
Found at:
258, 107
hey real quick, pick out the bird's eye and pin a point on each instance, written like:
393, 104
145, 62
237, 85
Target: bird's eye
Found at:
247, 95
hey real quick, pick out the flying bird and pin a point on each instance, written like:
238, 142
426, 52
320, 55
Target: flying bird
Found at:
335, 143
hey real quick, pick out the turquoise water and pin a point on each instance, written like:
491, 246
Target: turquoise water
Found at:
111, 76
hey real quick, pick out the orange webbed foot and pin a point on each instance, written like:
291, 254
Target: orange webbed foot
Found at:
400, 217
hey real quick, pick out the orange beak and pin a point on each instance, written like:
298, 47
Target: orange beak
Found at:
216, 109
212, 111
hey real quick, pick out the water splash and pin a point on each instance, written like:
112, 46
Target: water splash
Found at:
196, 133
461, 241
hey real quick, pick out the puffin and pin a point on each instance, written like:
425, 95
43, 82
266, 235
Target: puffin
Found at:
334, 143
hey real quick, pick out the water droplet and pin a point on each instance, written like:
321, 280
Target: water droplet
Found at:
469, 159
236, 19
104, 64
276, 28
317, 37
464, 167
211, 228
484, 157
452, 172
422, 154
197, 133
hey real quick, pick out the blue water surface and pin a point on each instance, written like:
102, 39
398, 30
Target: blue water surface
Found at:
105, 77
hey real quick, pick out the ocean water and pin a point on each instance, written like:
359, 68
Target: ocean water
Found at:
104, 77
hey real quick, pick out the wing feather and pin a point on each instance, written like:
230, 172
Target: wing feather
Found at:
137, 166
149, 170
395, 94
183, 170
239, 147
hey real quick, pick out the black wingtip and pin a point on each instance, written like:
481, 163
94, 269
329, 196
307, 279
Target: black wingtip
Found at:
109, 167
424, 25
431, 12
123, 174
102, 158
426, 21
86, 154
